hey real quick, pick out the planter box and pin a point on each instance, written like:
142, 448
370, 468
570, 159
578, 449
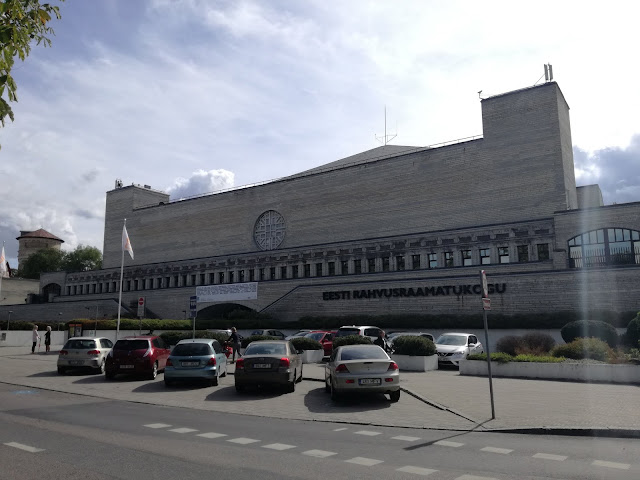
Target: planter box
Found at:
416, 363
312, 356
580, 372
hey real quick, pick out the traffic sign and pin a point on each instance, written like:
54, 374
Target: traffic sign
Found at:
486, 304
193, 305
141, 307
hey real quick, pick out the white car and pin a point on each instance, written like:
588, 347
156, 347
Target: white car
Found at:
453, 347
363, 330
84, 352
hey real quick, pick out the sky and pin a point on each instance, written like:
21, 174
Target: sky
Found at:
195, 96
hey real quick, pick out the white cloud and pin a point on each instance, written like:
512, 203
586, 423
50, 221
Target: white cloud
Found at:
201, 182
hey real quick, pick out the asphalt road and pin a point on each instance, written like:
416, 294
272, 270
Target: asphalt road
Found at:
54, 435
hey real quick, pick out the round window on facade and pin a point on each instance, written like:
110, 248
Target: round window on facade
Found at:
269, 230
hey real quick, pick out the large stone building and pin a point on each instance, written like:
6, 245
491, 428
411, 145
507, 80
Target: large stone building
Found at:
392, 230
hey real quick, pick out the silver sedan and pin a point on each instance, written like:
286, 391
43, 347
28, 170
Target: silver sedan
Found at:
361, 368
84, 352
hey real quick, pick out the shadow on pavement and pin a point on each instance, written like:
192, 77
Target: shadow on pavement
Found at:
229, 394
52, 373
446, 436
318, 401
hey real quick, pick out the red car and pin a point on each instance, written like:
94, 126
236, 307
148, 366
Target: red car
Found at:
142, 355
325, 338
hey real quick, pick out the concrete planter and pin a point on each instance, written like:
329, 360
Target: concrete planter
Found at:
580, 372
312, 356
416, 363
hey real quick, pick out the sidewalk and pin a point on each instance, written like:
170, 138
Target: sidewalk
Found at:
440, 399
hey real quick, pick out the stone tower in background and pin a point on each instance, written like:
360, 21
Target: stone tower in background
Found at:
30, 242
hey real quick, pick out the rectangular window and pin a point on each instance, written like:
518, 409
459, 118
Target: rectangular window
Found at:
318, 269
485, 256
262, 274
184, 281
503, 254
344, 267
175, 281
212, 278
69, 290
400, 262
128, 286
135, 285
241, 276
252, 275
158, 282
543, 251
415, 262
307, 270
433, 260
114, 287
523, 253
357, 266
385, 264
448, 259
272, 273
332, 268
466, 258
220, 277
231, 279
193, 280
202, 279
294, 271
371, 265
283, 272
167, 282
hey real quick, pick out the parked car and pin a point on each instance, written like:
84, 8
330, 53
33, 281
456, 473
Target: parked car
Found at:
269, 362
269, 332
392, 336
196, 359
325, 338
365, 331
84, 352
453, 347
142, 355
361, 369
299, 333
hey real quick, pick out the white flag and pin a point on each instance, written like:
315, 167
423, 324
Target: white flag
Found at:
3, 263
126, 243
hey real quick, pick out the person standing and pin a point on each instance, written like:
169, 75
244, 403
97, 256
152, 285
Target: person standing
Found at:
47, 339
234, 339
35, 336
381, 341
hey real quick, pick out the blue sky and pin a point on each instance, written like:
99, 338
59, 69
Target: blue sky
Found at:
192, 96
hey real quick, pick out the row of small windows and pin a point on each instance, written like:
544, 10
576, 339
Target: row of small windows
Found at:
318, 269
606, 246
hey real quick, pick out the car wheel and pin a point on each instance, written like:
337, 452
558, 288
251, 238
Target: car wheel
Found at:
109, 375
300, 378
327, 388
214, 381
239, 388
102, 366
62, 370
394, 396
154, 371
225, 371
167, 383
335, 396
291, 387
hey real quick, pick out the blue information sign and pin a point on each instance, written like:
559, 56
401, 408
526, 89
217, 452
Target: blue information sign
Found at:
193, 305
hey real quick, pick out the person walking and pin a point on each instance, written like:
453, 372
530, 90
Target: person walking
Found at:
35, 336
234, 339
47, 339
381, 341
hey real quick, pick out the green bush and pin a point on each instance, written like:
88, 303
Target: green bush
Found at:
536, 343
633, 331
413, 345
499, 357
351, 340
304, 343
580, 348
590, 329
252, 338
510, 344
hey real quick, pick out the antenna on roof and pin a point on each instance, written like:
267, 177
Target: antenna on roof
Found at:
387, 137
548, 74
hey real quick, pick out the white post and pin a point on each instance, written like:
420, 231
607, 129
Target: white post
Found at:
121, 276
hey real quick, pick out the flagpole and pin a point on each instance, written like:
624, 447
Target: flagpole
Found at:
121, 276
2, 268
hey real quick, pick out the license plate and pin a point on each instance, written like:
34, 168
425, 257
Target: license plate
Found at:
190, 364
369, 381
76, 362
262, 365
126, 366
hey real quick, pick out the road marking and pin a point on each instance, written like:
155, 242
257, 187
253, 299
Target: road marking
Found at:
416, 470
550, 456
339, 429
367, 462
212, 435
242, 440
26, 448
446, 443
504, 451
368, 433
279, 446
620, 466
183, 430
157, 425
475, 477
318, 453
405, 438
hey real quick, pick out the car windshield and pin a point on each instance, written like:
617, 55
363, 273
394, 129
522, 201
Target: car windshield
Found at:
457, 340
343, 332
315, 336
367, 352
191, 349
131, 345
80, 344
266, 349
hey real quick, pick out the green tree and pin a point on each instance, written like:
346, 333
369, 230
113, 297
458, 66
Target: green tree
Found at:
45, 260
83, 258
22, 22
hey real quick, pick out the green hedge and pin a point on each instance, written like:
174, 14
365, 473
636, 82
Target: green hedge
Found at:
633, 332
501, 357
413, 345
304, 343
533, 343
590, 329
580, 348
351, 340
